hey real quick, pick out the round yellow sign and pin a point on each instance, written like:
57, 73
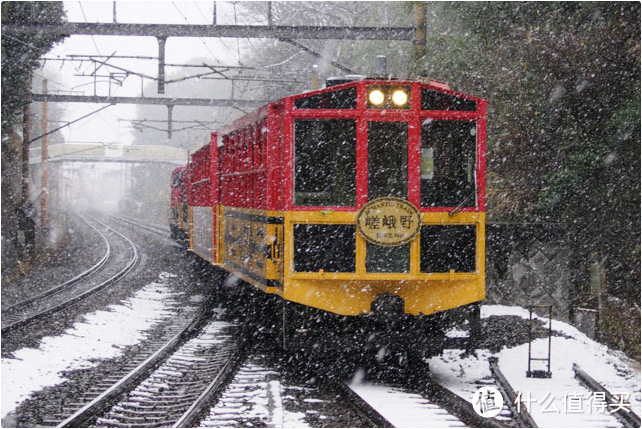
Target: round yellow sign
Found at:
388, 221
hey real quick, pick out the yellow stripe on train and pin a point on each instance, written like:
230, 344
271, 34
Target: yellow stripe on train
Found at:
258, 246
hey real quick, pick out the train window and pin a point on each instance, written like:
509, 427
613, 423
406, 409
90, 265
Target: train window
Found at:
331, 248
342, 99
249, 141
387, 159
259, 155
176, 180
448, 163
246, 150
447, 247
232, 152
238, 151
325, 160
381, 259
256, 148
225, 162
434, 100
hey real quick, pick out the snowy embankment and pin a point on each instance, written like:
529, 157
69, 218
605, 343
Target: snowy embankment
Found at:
560, 401
102, 335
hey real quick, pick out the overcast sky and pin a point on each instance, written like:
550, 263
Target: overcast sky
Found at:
105, 126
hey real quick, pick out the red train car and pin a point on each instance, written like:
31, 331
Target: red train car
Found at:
358, 197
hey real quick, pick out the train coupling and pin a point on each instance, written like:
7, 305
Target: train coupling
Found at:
388, 308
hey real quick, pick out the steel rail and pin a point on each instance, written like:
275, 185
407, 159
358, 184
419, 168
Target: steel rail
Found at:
215, 387
83, 416
128, 268
155, 230
362, 407
628, 418
72, 281
456, 405
522, 415
423, 383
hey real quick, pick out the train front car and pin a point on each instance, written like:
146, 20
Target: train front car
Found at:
385, 202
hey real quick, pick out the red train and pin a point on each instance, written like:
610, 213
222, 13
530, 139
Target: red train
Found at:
359, 199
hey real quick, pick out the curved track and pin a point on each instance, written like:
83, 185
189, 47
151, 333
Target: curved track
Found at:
20, 305
120, 258
159, 231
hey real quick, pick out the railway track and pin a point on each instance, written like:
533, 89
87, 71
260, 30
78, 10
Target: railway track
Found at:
120, 258
627, 417
70, 282
261, 395
159, 231
432, 405
172, 386
522, 416
387, 403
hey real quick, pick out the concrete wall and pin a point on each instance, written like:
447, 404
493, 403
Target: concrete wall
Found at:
528, 265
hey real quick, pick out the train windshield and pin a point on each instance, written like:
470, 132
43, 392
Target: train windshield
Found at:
325, 162
387, 159
448, 163
387, 177
176, 180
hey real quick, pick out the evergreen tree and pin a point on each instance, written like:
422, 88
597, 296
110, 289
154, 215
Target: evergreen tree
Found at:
20, 55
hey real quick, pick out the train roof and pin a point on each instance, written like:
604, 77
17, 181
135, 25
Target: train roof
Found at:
262, 112
423, 83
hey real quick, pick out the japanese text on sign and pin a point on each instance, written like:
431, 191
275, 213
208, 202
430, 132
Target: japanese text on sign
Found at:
388, 221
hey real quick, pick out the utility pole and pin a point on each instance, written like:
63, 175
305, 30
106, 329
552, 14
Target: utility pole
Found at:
419, 38
269, 13
26, 131
44, 150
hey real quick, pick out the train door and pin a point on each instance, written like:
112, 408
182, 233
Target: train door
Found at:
387, 177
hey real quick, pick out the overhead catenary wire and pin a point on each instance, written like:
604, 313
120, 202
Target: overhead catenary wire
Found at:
128, 72
93, 39
68, 123
222, 41
200, 38
85, 17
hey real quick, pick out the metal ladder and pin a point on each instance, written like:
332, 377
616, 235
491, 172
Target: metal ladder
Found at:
539, 373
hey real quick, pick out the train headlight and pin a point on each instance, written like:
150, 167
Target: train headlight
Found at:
399, 97
376, 97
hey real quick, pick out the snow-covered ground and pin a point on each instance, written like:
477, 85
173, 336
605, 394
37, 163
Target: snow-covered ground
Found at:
86, 343
560, 401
